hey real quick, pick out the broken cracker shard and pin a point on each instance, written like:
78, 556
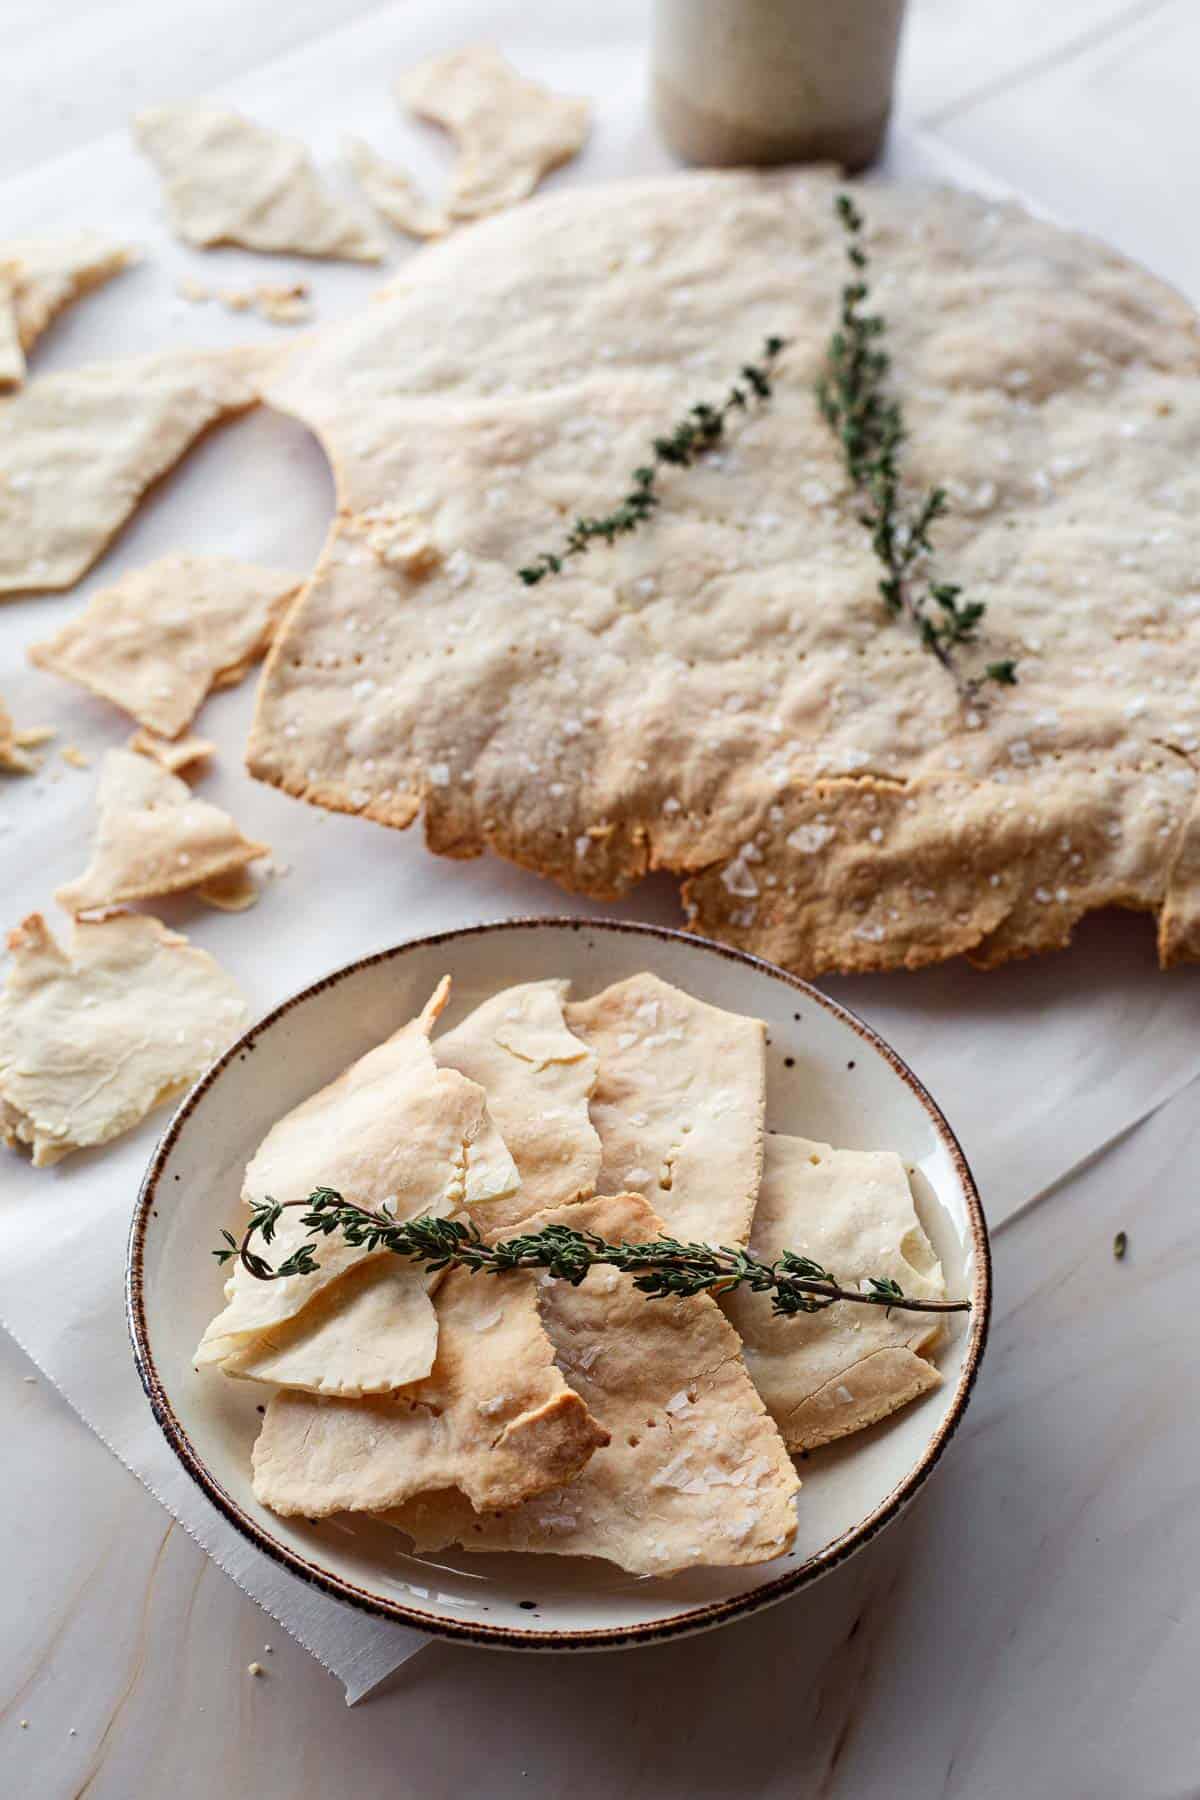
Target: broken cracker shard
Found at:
716, 1487
735, 690
79, 449
94, 1036
449, 1151
154, 836
228, 180
39, 277
166, 635
823, 1377
510, 131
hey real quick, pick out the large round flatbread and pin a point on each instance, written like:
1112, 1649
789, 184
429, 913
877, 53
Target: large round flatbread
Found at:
721, 693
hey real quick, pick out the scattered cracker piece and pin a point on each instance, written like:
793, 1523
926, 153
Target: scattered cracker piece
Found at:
538, 1079
45, 275
172, 754
165, 636
153, 837
78, 450
282, 303
232, 892
78, 759
695, 1474
679, 1104
92, 1038
368, 1332
15, 745
494, 1418
391, 193
227, 180
823, 1375
392, 1129
510, 132
196, 292
799, 760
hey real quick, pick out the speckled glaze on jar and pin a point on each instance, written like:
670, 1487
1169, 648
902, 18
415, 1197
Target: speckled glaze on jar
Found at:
775, 81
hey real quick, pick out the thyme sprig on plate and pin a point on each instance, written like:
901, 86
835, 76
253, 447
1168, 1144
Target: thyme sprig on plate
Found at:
661, 1267
869, 424
702, 427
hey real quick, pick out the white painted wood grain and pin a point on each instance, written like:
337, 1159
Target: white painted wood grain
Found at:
957, 52
1109, 140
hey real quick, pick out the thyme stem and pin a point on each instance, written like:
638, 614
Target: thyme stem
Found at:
699, 430
660, 1267
869, 425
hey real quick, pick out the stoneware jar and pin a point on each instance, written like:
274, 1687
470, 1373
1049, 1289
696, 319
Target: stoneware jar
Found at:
775, 81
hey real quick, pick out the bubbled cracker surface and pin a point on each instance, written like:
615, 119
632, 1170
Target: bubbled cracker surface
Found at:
823, 1375
492, 1417
696, 1473
720, 694
393, 1130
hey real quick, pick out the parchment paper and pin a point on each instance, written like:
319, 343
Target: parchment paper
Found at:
1037, 1066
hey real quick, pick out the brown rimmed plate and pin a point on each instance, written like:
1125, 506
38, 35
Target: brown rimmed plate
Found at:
829, 1077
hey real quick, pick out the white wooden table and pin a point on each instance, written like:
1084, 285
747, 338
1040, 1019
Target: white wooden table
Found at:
1033, 1626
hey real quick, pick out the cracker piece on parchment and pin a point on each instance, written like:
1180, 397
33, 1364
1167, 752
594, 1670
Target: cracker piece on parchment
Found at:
94, 1036
15, 745
153, 836
235, 891
679, 1104
283, 302
695, 1472
494, 1418
367, 1332
509, 131
393, 1129
44, 276
823, 1375
538, 1078
172, 754
390, 191
227, 180
164, 636
721, 692
79, 449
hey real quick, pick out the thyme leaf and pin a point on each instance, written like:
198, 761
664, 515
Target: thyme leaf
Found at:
868, 422
661, 1267
702, 427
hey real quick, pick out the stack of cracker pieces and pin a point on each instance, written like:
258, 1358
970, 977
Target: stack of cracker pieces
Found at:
517, 1412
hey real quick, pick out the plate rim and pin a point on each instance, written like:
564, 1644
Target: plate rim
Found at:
696, 1619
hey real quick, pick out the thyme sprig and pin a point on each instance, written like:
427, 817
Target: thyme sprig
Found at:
661, 1267
702, 427
869, 424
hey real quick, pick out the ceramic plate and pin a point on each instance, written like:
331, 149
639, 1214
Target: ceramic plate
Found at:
829, 1077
